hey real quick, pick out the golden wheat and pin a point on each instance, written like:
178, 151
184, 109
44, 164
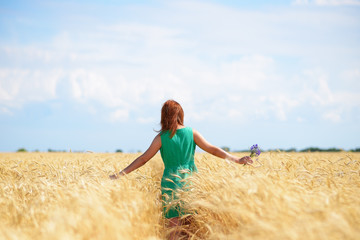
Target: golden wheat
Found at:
283, 196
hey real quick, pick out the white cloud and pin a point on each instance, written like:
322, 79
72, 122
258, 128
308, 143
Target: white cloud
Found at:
333, 116
18, 86
28, 54
327, 2
300, 120
247, 74
301, 2
119, 115
331, 103
337, 2
145, 120
316, 89
350, 78
219, 63
281, 105
5, 111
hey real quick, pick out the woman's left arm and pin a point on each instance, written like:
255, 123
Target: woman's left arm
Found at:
218, 152
141, 160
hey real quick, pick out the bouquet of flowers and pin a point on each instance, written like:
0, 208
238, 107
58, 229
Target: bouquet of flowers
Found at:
255, 151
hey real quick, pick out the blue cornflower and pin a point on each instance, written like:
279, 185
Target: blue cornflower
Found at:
255, 151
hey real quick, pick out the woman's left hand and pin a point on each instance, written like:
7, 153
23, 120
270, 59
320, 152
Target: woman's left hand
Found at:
245, 160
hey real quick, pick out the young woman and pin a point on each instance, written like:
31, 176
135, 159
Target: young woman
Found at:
177, 147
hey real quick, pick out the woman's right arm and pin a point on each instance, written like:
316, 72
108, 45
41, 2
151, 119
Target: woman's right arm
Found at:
144, 158
218, 152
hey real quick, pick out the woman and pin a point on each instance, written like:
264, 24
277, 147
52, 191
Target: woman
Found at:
177, 147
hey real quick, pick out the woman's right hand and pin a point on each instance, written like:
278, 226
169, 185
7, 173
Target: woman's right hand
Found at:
113, 177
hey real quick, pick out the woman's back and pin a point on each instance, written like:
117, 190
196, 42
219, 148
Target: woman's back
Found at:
178, 151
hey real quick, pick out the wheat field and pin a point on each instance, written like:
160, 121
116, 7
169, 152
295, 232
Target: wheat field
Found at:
282, 196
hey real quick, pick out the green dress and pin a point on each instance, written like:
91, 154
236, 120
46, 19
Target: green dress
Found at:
177, 154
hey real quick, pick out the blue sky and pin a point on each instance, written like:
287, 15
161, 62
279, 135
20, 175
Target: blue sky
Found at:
92, 75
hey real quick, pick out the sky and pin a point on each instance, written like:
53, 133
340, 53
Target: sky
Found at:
93, 75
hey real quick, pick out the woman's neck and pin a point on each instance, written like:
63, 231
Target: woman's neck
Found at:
180, 126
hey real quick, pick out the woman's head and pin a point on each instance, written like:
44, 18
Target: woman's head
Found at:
172, 114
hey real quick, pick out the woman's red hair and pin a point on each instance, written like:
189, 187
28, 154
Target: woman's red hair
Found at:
172, 114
